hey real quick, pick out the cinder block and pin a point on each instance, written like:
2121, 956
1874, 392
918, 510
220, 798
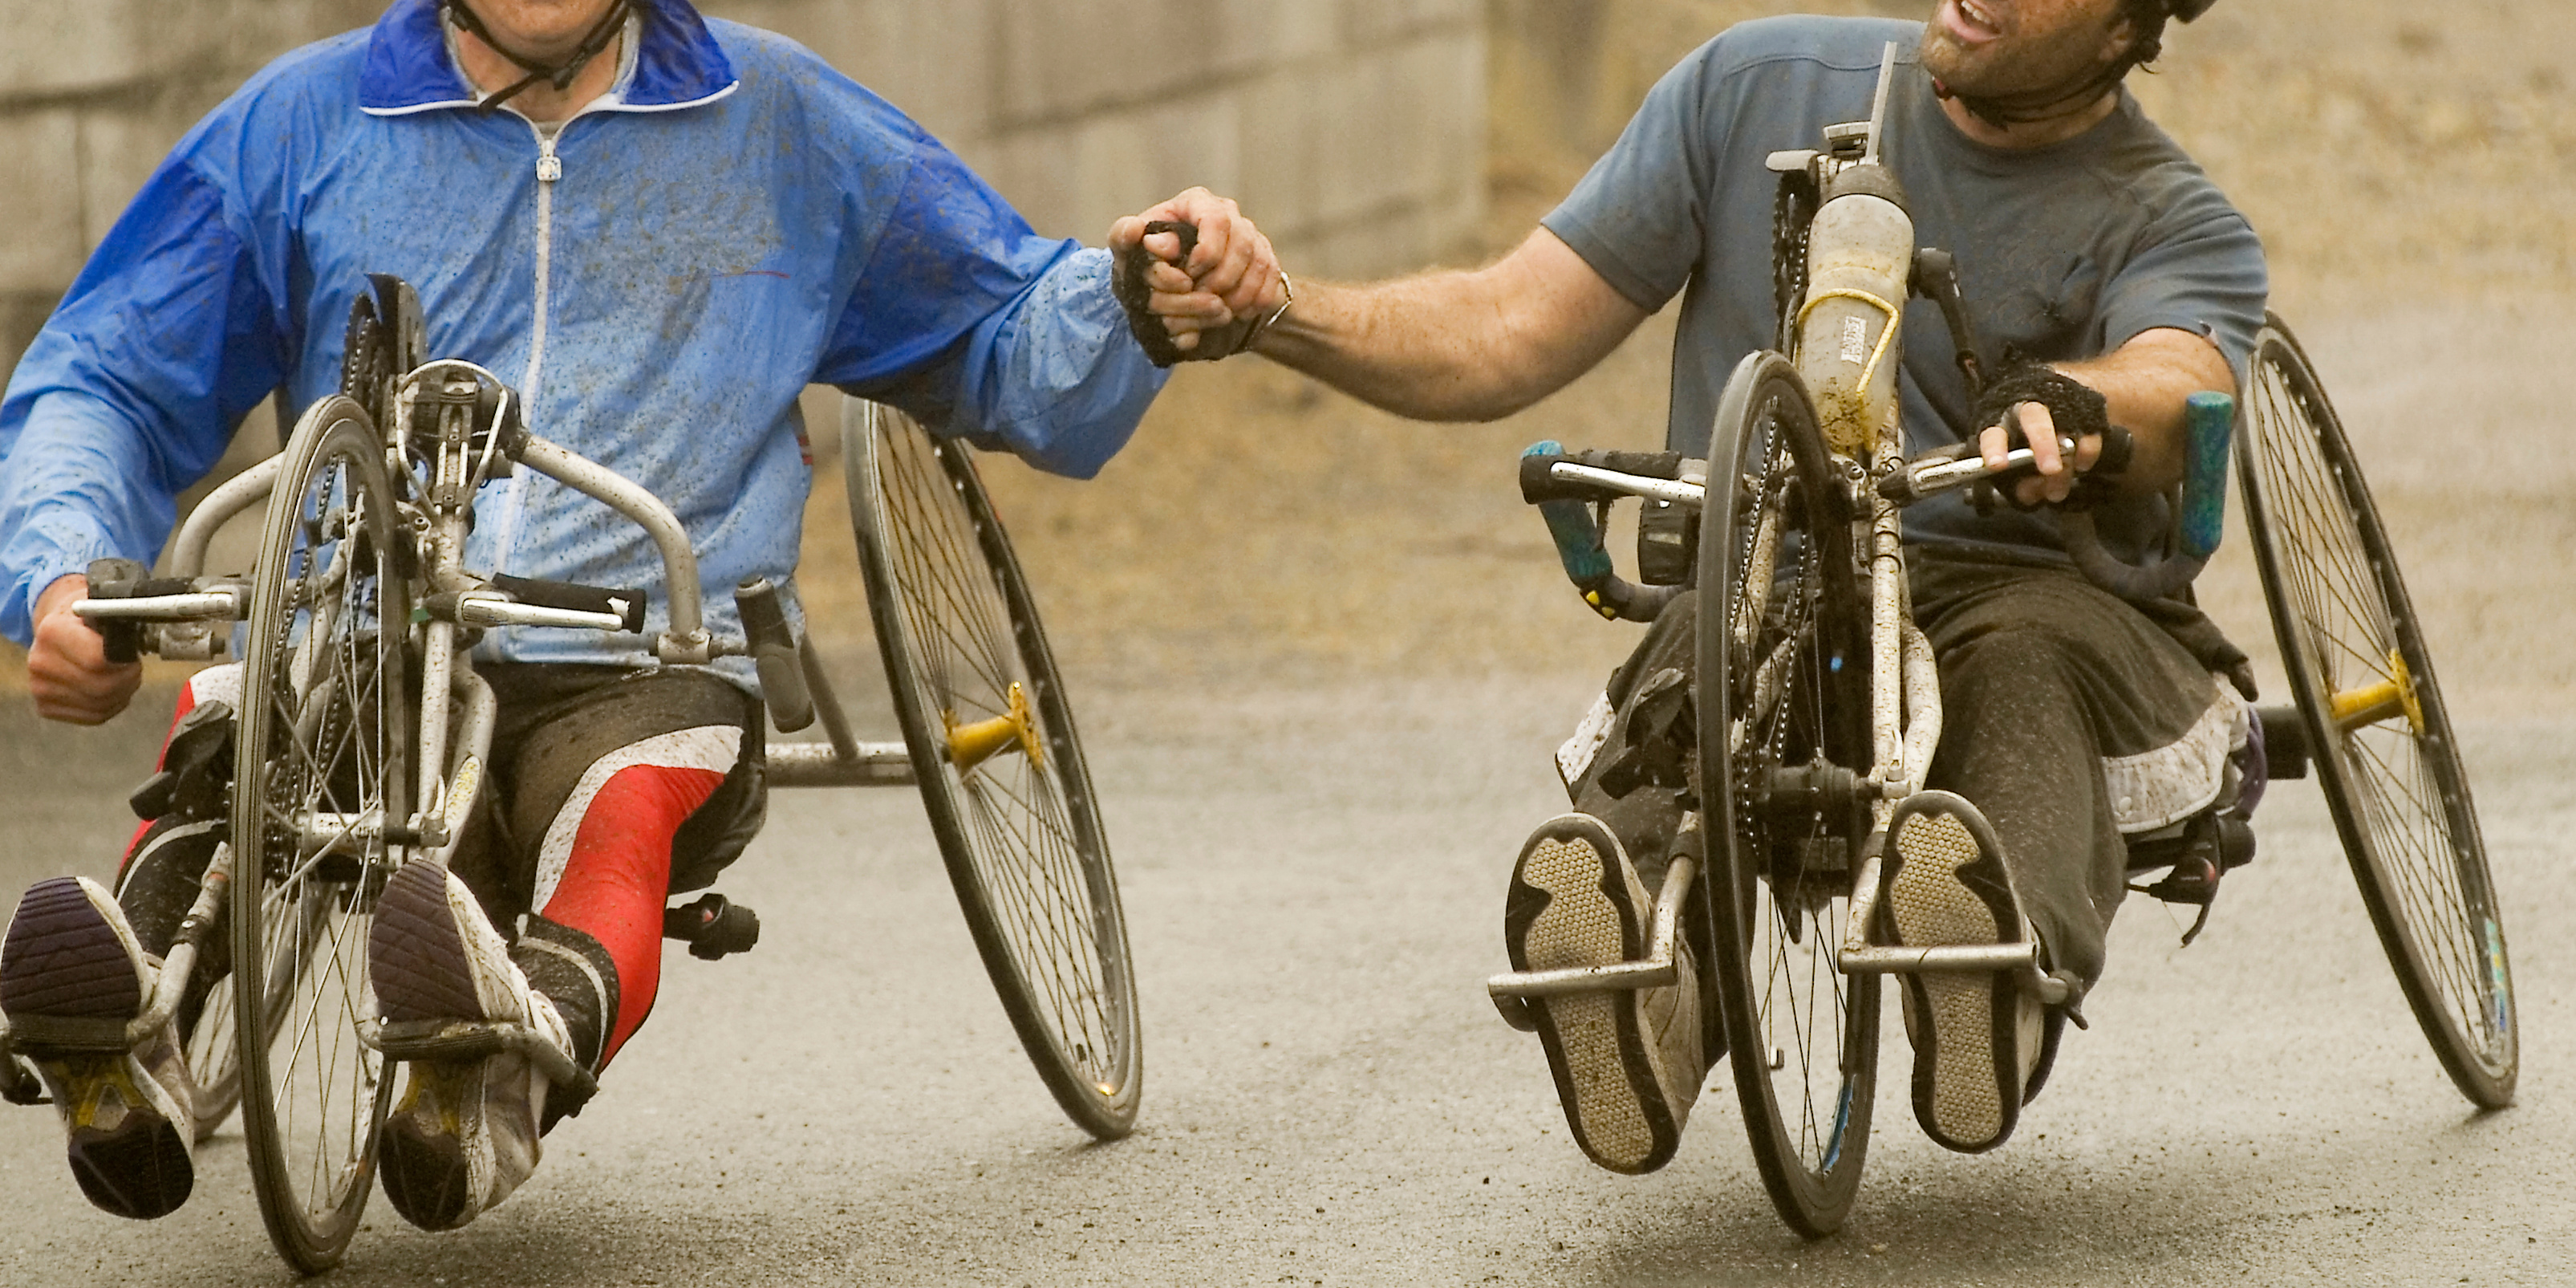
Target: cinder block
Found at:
55, 47
1367, 23
1062, 58
41, 208
1384, 120
1073, 180
936, 62
1387, 243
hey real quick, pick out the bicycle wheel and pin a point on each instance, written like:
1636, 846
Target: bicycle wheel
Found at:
2382, 740
214, 1063
1783, 691
321, 774
1001, 771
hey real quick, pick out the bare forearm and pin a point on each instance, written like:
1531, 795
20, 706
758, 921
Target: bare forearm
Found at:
2146, 383
1457, 345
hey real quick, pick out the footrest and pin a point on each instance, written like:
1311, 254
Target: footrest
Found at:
450, 1041
1656, 970
32, 1035
1858, 956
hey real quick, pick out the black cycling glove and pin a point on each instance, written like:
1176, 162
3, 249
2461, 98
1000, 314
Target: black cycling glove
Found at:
2077, 409
1127, 282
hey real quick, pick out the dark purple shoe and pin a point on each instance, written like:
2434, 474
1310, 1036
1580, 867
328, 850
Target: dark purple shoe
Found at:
71, 978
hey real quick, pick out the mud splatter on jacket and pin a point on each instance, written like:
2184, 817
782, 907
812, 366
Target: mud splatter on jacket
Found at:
734, 221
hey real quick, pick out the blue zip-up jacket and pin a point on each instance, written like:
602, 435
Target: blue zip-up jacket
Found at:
734, 221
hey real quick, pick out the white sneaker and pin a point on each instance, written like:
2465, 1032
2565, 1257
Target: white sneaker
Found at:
465, 1133
1628, 1063
72, 977
1977, 1037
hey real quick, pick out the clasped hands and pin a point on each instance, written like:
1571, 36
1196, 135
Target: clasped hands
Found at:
1209, 301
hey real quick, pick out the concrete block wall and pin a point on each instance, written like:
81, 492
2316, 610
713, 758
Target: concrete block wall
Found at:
92, 94
1353, 130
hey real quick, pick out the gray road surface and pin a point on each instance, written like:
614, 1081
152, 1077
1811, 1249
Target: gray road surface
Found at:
1314, 882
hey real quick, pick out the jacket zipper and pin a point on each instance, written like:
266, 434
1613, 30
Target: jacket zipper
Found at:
549, 172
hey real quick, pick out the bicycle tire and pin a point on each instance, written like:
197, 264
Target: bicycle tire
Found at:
1020, 834
2395, 784
322, 742
214, 1062
1802, 1037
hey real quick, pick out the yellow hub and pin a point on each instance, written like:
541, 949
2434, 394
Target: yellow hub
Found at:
2370, 704
972, 744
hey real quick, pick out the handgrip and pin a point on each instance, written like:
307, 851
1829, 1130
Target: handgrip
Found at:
774, 654
712, 927
626, 605
2211, 416
1587, 560
117, 579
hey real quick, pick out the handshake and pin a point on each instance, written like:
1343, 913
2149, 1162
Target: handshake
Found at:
1198, 281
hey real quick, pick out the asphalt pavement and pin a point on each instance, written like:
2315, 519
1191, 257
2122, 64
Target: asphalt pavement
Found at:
1314, 882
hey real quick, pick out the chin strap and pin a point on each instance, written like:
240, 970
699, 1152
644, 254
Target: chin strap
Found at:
2064, 98
560, 75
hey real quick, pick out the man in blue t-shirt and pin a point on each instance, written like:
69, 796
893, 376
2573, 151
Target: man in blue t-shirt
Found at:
2106, 279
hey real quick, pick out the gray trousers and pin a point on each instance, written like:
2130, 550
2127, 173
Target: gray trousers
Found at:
2070, 718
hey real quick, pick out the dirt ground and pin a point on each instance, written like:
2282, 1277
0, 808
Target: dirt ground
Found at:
2409, 168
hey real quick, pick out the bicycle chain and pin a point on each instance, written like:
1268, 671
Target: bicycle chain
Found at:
1793, 210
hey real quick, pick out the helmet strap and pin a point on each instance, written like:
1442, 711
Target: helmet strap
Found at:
2069, 96
558, 75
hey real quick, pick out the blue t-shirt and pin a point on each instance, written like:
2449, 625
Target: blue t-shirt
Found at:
2064, 252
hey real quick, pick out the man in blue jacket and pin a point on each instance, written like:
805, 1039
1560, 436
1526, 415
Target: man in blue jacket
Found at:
661, 229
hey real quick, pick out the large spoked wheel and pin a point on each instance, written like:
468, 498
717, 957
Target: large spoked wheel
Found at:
1783, 692
321, 774
2382, 739
1000, 770
214, 1063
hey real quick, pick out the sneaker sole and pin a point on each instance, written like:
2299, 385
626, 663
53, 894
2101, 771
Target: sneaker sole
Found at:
1963, 1080
415, 953
138, 1170
424, 1169
62, 960
1595, 1042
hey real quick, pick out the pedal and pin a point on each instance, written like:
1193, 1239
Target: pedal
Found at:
712, 927
196, 775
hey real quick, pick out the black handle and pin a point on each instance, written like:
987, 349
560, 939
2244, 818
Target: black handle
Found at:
712, 927
572, 597
775, 654
118, 579
1186, 231
1539, 484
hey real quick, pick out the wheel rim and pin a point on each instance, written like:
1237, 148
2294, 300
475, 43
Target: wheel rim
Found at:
1803, 1035
2387, 758
1007, 781
321, 757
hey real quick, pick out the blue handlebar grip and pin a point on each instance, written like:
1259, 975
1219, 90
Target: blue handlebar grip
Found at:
1569, 523
2211, 416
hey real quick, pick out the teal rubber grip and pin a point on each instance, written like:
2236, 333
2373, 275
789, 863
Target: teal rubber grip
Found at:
1570, 525
2211, 418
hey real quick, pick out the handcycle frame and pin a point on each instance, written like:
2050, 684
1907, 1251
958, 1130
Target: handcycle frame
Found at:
1855, 264
454, 427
